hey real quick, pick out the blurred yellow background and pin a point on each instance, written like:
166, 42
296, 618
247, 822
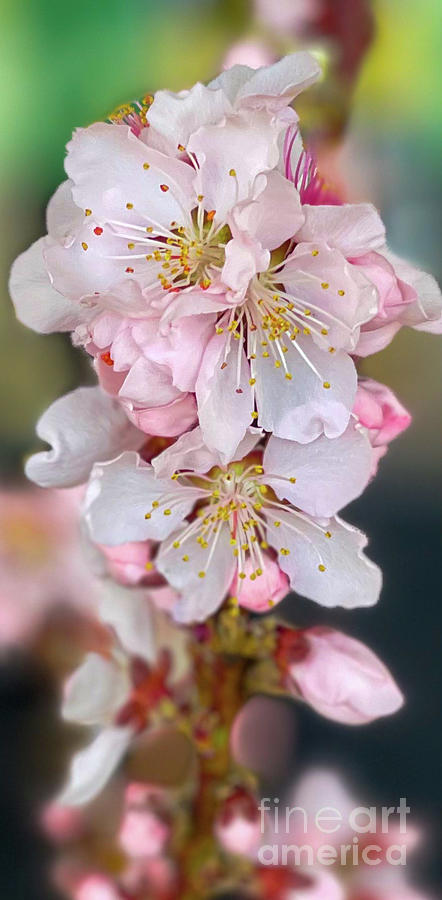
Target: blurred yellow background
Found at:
64, 65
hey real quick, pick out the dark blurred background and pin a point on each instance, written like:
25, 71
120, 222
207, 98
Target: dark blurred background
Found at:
64, 65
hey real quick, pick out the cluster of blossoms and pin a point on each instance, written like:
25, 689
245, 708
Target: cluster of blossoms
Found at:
224, 297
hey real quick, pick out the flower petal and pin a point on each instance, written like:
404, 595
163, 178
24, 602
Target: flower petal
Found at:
269, 86
244, 145
188, 452
92, 767
165, 421
244, 258
174, 117
349, 579
352, 228
95, 691
338, 298
329, 473
119, 495
224, 400
200, 596
83, 427
425, 313
301, 409
128, 612
107, 166
36, 303
275, 216
63, 216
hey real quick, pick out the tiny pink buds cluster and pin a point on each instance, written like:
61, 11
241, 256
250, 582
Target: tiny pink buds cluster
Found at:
224, 297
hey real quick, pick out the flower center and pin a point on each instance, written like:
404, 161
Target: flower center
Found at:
269, 319
186, 255
239, 499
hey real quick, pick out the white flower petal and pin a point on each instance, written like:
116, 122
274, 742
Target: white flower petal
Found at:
174, 117
36, 303
269, 85
275, 216
285, 79
83, 427
63, 217
225, 403
301, 409
329, 473
92, 767
188, 452
128, 612
352, 228
106, 163
119, 495
349, 579
245, 145
425, 313
95, 691
200, 596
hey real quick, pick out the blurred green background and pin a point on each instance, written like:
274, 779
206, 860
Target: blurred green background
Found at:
64, 65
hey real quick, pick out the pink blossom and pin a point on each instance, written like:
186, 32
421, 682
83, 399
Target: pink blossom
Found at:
237, 518
338, 676
381, 413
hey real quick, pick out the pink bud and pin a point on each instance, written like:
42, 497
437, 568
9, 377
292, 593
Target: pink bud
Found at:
380, 412
341, 678
260, 592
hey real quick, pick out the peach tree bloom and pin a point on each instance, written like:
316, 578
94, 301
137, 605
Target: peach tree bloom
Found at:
180, 255
219, 523
145, 212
